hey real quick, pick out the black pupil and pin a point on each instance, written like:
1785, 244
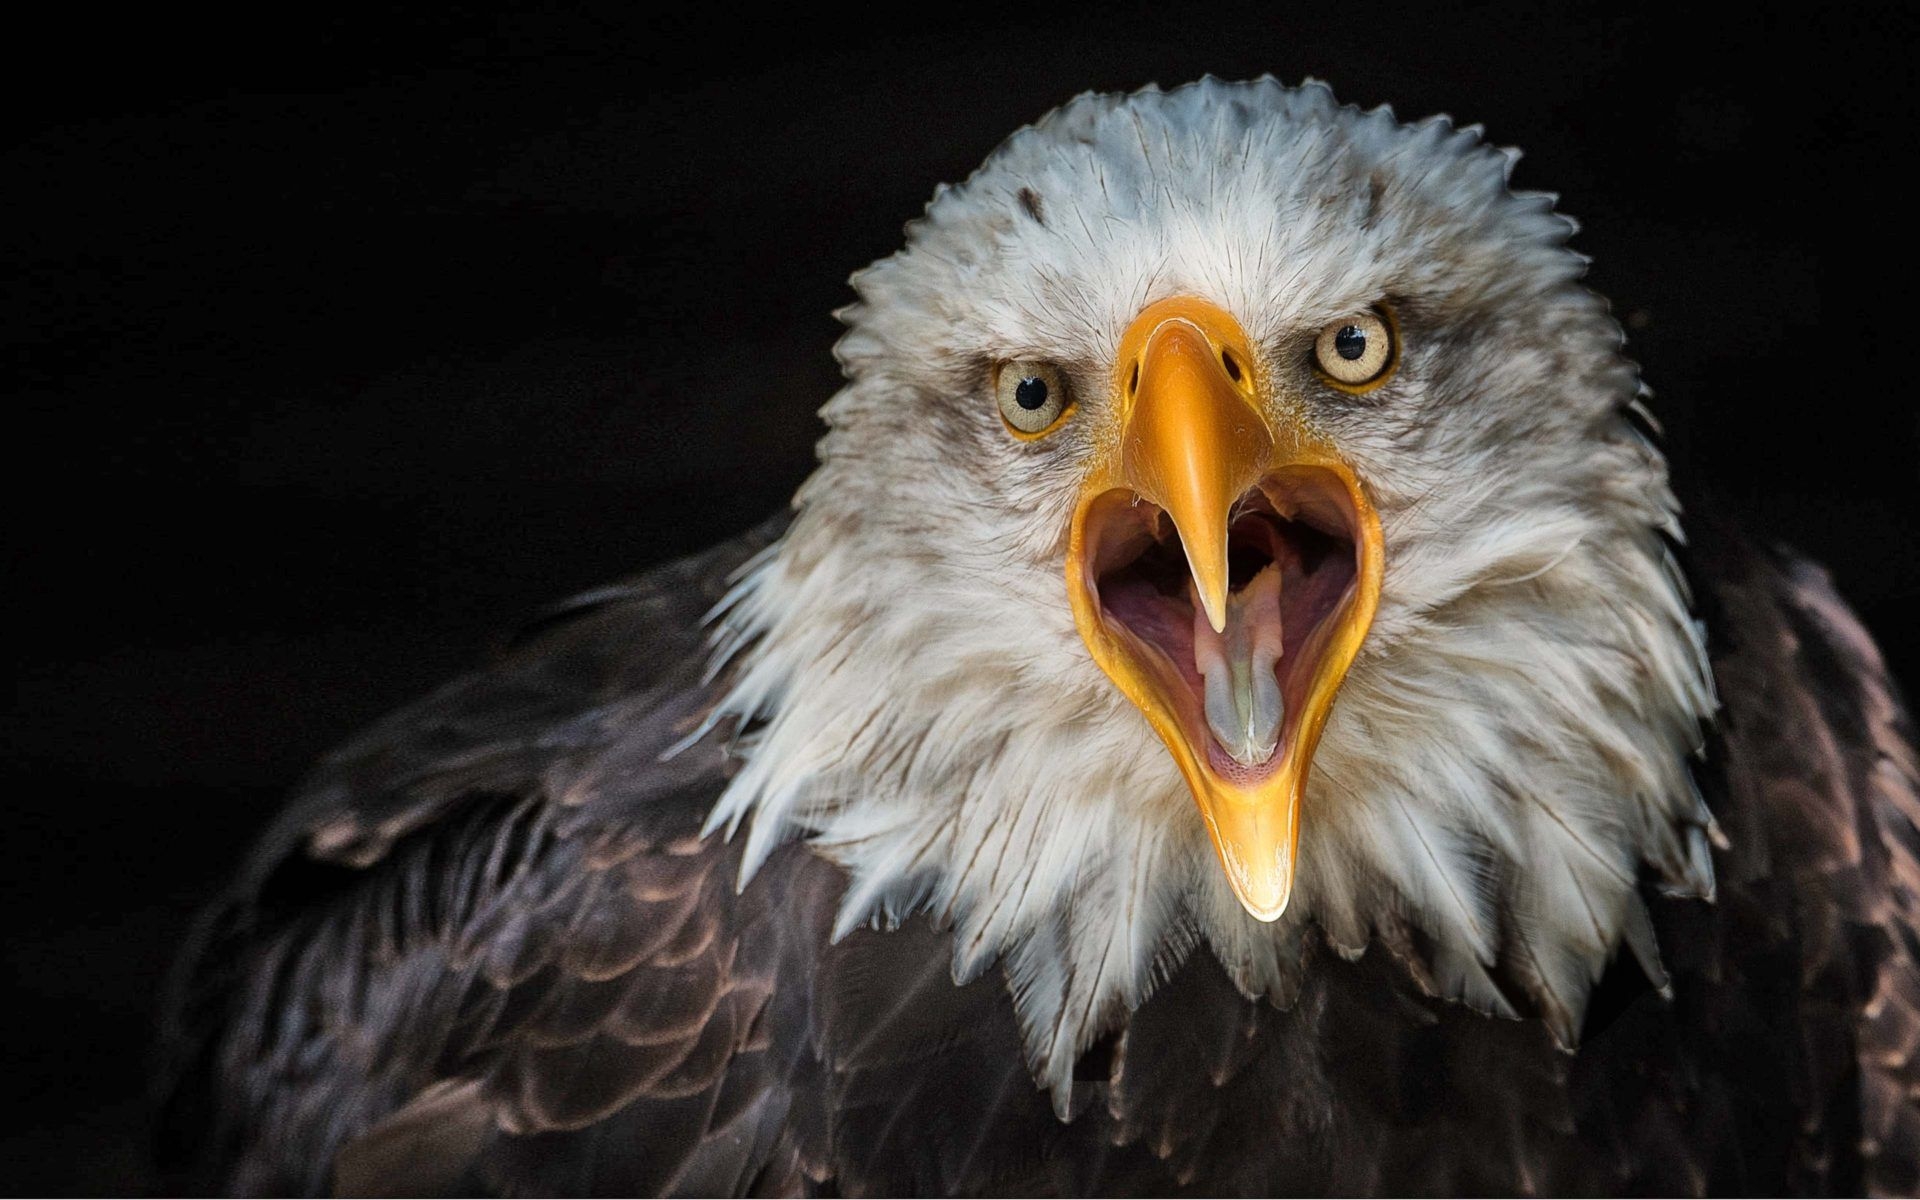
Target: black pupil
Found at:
1349, 343
1031, 394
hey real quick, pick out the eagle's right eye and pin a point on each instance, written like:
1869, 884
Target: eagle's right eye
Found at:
1033, 397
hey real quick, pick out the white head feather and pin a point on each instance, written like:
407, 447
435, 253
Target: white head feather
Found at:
1508, 750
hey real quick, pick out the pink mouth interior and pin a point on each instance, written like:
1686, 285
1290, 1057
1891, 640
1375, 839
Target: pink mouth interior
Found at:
1140, 579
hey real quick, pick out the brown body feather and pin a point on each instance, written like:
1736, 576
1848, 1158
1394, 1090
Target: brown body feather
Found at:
487, 949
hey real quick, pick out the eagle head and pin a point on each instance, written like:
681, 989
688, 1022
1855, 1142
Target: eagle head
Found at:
1234, 531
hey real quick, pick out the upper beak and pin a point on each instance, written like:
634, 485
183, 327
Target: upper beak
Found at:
1234, 647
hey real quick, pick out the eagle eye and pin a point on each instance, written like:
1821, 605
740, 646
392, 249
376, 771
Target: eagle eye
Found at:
1358, 352
1033, 397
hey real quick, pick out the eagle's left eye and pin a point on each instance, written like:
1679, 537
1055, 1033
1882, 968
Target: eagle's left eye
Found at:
1033, 396
1356, 353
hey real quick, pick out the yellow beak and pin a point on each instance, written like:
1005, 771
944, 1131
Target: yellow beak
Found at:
1224, 566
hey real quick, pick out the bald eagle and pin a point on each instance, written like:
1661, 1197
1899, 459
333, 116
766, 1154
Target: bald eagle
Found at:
1234, 711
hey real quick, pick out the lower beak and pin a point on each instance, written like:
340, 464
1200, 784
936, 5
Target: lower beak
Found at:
1224, 569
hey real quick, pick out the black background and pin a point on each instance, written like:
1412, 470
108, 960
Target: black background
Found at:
344, 341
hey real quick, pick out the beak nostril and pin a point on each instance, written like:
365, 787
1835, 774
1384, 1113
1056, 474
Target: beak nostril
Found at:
1133, 381
1231, 364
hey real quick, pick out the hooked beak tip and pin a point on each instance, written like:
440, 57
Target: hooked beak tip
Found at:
1216, 611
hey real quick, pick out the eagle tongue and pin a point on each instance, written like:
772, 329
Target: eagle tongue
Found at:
1243, 704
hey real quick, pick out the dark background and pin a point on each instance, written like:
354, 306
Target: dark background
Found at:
343, 342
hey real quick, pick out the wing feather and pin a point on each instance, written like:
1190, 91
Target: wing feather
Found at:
490, 923
1824, 796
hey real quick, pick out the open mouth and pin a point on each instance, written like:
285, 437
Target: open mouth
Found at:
1224, 566
1293, 560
